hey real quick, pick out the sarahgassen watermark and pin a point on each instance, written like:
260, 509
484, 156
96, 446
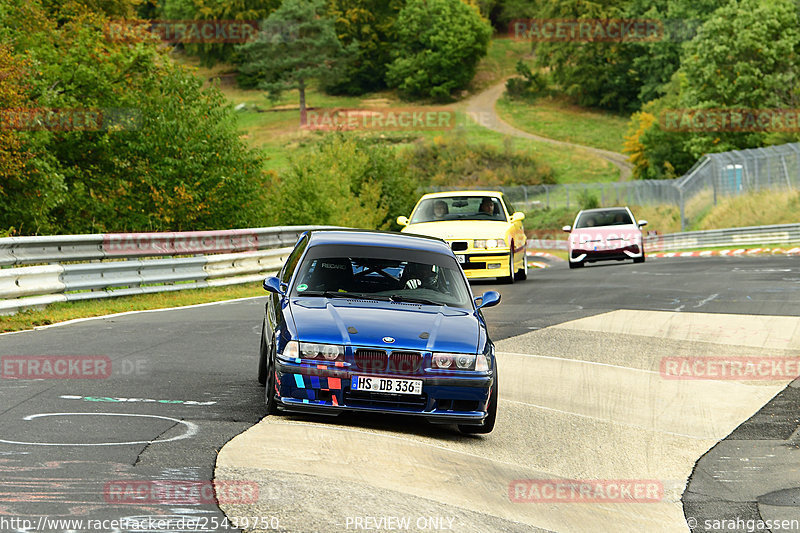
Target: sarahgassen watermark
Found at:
749, 525
586, 491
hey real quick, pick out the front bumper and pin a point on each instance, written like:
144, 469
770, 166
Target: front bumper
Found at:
485, 264
324, 389
586, 254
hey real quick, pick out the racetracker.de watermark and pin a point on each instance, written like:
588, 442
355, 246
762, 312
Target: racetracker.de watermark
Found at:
69, 119
730, 120
180, 492
411, 118
183, 31
730, 368
55, 367
585, 491
587, 30
190, 242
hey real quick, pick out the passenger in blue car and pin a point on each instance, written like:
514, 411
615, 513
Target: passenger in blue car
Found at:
335, 274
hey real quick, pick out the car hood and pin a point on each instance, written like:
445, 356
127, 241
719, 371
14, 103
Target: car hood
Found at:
629, 232
460, 229
366, 323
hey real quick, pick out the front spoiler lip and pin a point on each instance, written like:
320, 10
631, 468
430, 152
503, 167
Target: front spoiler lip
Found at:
460, 417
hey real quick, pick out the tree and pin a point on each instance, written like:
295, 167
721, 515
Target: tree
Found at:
370, 25
30, 186
213, 10
439, 44
657, 153
164, 155
346, 182
745, 56
297, 43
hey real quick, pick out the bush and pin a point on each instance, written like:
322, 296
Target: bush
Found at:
588, 200
452, 162
439, 43
344, 181
529, 87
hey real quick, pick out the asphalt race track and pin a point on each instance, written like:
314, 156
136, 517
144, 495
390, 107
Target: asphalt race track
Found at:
583, 397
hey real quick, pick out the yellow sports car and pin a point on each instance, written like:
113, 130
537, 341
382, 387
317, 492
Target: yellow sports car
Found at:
481, 227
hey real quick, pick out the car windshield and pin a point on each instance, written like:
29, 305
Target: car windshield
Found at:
607, 217
458, 208
382, 279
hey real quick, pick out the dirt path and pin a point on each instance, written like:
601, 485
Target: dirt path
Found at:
482, 105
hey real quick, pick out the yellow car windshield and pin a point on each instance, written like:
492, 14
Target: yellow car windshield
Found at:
459, 208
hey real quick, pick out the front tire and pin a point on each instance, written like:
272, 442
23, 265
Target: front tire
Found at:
491, 414
579, 264
522, 275
262, 359
269, 393
510, 278
639, 259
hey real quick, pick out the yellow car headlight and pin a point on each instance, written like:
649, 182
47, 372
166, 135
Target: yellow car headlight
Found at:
490, 243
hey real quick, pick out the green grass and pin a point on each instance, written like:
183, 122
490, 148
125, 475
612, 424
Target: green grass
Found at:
568, 165
557, 119
757, 209
60, 312
500, 62
273, 126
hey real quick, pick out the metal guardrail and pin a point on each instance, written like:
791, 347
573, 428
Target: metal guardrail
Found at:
733, 237
713, 176
84, 267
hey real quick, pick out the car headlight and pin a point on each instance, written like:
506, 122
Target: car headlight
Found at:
459, 361
310, 350
489, 243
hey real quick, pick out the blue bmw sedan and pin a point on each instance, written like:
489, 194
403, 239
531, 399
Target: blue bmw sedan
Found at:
378, 322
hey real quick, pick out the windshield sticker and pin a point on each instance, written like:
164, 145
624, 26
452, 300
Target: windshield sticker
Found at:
302, 287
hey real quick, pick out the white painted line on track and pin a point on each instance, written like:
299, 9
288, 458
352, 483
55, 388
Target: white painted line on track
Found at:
125, 313
584, 361
191, 430
608, 420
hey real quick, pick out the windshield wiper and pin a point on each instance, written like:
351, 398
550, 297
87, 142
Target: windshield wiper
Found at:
351, 295
413, 300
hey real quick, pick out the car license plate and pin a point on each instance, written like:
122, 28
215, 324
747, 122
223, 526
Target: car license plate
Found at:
387, 385
461, 258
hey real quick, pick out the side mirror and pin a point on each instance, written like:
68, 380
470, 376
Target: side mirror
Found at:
642, 223
273, 284
567, 229
488, 299
519, 215
403, 221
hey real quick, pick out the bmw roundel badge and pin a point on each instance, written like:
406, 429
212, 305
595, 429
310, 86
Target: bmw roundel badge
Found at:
388, 340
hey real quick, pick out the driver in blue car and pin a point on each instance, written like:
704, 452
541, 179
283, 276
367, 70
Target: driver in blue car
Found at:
419, 276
